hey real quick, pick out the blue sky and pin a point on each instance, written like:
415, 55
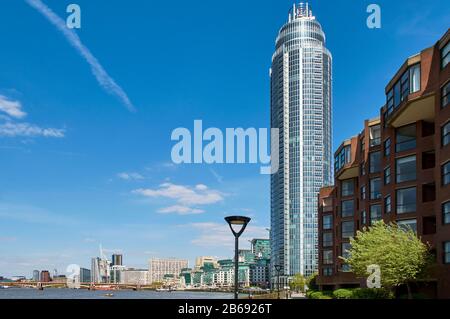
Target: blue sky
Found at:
73, 155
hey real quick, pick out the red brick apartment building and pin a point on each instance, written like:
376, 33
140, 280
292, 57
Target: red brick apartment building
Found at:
397, 169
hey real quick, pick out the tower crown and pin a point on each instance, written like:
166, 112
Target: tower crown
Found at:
300, 10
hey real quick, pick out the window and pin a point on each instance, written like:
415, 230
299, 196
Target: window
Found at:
387, 147
363, 192
348, 187
445, 55
327, 222
327, 239
408, 83
446, 213
406, 169
375, 162
404, 84
375, 213
328, 271
387, 205
447, 252
345, 253
397, 97
387, 176
327, 257
346, 250
375, 135
363, 217
405, 138
390, 101
446, 174
363, 169
408, 224
414, 75
406, 200
375, 188
348, 229
446, 134
445, 92
342, 158
348, 207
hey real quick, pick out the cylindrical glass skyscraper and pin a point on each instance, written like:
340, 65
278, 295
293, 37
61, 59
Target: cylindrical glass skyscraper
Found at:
301, 79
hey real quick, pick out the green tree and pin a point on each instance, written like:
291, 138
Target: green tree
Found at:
311, 281
298, 283
398, 252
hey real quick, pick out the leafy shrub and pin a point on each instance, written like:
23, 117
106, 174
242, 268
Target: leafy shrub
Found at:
311, 294
372, 293
343, 294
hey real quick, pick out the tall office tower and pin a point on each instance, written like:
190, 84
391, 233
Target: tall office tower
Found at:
301, 109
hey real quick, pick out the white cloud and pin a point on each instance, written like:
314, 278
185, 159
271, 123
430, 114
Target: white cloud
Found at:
130, 176
11, 129
12, 108
185, 195
105, 81
181, 210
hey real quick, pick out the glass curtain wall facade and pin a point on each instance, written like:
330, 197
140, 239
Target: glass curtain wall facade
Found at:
301, 86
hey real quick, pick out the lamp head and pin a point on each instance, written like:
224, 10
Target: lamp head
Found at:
237, 224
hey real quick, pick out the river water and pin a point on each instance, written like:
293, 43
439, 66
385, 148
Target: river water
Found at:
53, 293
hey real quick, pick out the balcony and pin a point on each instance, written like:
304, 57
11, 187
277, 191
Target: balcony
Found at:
411, 110
345, 166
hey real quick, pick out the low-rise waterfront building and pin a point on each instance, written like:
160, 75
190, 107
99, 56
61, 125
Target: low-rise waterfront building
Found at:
159, 267
135, 277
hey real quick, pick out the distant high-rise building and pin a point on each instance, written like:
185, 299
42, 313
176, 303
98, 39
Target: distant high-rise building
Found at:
159, 268
116, 260
301, 109
95, 270
100, 270
85, 275
45, 276
261, 248
36, 275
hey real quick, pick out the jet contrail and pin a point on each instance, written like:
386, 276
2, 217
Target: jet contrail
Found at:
99, 72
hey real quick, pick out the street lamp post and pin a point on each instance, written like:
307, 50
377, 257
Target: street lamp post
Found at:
237, 225
278, 269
